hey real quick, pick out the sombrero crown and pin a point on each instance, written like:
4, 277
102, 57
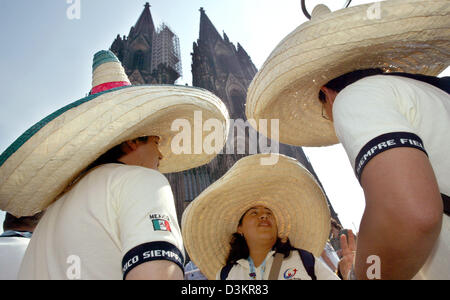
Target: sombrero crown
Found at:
108, 73
38, 166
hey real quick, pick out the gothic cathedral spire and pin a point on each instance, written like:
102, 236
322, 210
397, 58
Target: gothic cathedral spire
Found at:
149, 55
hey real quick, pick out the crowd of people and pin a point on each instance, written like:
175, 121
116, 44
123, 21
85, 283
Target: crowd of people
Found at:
96, 166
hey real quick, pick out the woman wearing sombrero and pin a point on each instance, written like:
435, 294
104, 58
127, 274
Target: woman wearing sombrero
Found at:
93, 165
236, 227
395, 129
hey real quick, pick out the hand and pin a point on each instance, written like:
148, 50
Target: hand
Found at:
348, 254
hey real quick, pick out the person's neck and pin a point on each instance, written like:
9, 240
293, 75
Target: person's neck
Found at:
127, 160
259, 253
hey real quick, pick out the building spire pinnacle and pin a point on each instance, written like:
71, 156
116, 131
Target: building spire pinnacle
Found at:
207, 29
145, 24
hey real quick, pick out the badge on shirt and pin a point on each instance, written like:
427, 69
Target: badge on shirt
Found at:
160, 222
290, 273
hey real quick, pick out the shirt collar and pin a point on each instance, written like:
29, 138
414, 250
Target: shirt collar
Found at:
12, 233
244, 262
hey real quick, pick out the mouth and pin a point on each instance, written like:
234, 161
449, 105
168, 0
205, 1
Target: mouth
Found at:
264, 224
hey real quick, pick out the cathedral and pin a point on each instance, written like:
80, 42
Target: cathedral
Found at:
152, 56
149, 55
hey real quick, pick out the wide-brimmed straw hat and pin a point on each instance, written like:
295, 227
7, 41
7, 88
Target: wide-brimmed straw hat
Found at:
287, 188
40, 164
397, 35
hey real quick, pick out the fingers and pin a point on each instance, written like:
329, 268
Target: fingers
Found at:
344, 244
351, 240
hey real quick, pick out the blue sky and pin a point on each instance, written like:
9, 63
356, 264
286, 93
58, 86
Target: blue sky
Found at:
46, 59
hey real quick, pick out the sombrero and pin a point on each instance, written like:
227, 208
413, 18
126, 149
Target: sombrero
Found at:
38, 166
287, 188
397, 35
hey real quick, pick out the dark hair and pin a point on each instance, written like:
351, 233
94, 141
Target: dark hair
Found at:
335, 224
13, 223
341, 82
113, 155
239, 249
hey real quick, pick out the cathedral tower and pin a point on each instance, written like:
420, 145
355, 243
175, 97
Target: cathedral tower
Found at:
149, 55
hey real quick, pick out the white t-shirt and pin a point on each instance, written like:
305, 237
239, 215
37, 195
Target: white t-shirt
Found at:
382, 112
114, 219
379, 113
12, 250
292, 268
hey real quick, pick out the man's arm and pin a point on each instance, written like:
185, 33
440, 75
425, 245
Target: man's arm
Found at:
149, 232
156, 270
403, 214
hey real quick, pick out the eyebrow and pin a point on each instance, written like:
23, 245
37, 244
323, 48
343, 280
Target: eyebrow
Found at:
255, 208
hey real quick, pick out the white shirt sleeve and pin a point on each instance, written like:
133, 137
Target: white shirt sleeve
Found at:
147, 219
373, 107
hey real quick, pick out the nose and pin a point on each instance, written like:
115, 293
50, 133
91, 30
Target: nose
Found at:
263, 216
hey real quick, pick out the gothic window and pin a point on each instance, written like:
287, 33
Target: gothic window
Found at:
138, 60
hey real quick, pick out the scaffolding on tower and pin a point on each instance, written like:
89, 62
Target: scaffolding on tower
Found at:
166, 50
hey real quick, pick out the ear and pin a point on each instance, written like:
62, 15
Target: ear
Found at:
330, 94
129, 146
239, 230
326, 91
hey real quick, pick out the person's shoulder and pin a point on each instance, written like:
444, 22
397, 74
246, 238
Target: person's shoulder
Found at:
300, 250
365, 94
145, 174
370, 82
384, 81
135, 173
231, 271
14, 241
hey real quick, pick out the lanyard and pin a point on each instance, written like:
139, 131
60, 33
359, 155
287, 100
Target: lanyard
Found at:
252, 273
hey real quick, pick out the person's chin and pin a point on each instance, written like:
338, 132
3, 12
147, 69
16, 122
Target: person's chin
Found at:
266, 230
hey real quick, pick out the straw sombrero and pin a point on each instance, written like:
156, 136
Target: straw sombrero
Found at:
38, 166
397, 35
287, 188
